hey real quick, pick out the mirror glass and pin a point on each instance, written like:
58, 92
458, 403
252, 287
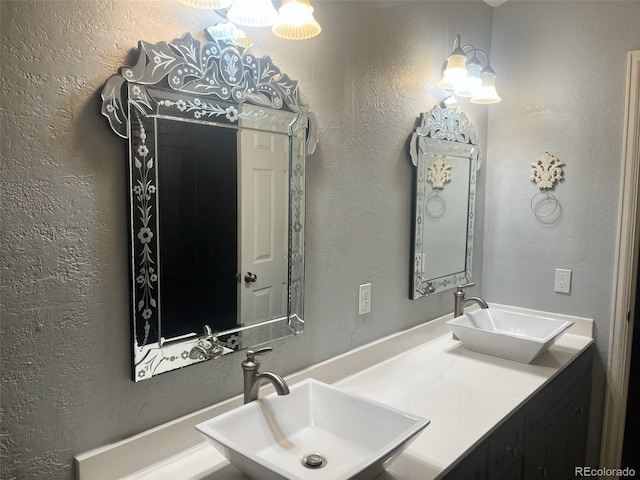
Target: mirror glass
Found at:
445, 153
217, 144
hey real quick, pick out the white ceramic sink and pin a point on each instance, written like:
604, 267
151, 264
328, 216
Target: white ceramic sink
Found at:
270, 438
514, 336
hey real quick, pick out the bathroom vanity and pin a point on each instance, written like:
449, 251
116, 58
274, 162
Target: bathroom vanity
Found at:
490, 417
545, 438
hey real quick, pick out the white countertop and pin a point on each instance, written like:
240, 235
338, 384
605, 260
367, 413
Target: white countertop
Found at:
466, 395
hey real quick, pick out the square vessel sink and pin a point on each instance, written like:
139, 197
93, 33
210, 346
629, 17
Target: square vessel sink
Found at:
315, 432
514, 336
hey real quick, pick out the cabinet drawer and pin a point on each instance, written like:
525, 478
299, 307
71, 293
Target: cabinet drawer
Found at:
505, 447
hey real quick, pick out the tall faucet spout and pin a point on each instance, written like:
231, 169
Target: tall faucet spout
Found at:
253, 378
461, 301
477, 300
276, 380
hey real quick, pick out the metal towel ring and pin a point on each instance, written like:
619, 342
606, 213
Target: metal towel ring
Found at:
435, 200
549, 197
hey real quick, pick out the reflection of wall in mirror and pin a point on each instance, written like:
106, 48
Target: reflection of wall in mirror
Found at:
445, 232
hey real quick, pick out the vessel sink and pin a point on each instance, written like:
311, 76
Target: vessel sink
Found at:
514, 336
315, 432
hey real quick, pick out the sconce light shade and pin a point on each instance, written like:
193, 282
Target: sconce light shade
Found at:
473, 81
296, 21
487, 93
253, 13
208, 4
229, 32
455, 71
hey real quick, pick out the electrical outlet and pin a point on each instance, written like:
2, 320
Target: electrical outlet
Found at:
364, 299
563, 281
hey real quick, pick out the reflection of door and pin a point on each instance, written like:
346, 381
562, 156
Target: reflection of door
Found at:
263, 202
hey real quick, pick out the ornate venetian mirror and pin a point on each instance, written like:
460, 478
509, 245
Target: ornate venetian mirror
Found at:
217, 143
445, 153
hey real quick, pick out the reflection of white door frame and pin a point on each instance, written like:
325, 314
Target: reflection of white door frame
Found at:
625, 281
263, 243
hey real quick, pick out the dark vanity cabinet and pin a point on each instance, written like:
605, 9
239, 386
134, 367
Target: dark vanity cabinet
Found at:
544, 439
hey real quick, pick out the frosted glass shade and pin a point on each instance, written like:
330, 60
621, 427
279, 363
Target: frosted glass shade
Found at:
296, 21
487, 93
468, 86
455, 72
253, 13
208, 4
228, 32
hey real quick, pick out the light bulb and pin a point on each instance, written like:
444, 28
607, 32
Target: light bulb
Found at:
455, 72
468, 86
296, 21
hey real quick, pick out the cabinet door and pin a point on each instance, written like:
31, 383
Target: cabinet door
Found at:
505, 448
548, 457
537, 461
474, 467
578, 426
548, 404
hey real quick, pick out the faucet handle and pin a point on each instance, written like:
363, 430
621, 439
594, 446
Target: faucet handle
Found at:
251, 354
460, 287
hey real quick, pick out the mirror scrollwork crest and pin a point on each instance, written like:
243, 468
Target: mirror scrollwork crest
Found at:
444, 149
217, 142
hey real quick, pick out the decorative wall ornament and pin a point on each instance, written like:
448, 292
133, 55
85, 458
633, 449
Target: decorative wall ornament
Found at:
547, 171
439, 173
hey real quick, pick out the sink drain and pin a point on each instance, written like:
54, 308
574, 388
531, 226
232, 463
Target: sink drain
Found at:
314, 461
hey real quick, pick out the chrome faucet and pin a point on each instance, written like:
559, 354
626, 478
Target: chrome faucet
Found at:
207, 347
253, 378
460, 301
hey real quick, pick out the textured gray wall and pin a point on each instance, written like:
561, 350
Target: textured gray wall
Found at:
562, 69
65, 318
562, 80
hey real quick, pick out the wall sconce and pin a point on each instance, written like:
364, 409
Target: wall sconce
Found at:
293, 21
468, 78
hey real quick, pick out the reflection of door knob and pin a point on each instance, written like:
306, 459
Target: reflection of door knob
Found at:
250, 277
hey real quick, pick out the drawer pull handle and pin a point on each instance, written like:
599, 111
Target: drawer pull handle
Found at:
513, 451
577, 413
543, 470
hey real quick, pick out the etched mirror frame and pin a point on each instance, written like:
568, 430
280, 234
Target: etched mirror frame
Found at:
443, 133
215, 83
